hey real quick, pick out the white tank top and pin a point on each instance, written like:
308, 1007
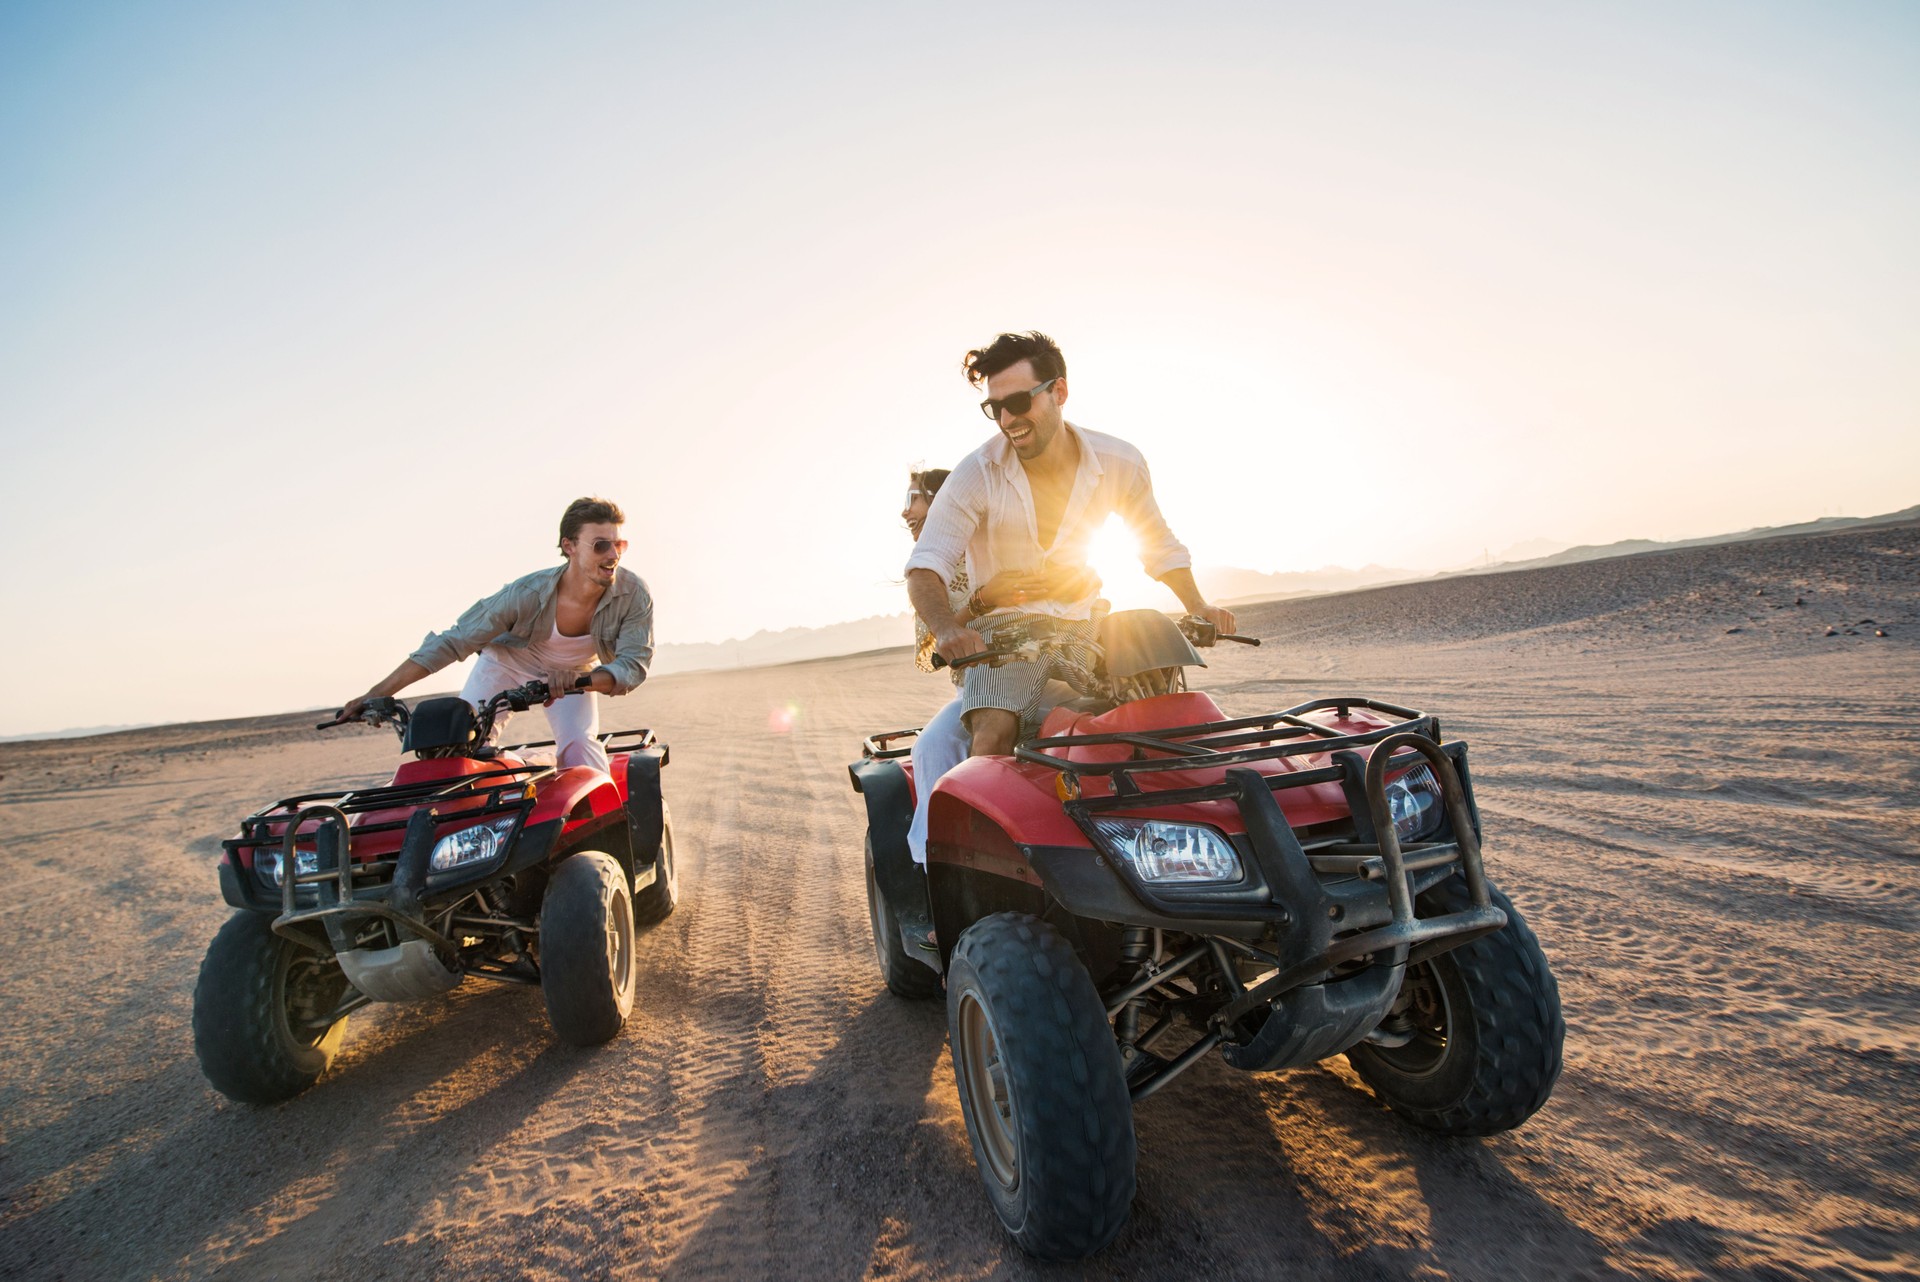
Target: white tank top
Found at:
562, 653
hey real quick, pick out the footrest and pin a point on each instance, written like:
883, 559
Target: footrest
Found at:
916, 935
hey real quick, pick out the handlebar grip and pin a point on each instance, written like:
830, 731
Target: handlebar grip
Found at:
980, 657
1231, 636
966, 660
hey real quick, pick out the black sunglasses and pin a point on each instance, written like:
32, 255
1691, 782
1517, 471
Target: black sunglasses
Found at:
1017, 404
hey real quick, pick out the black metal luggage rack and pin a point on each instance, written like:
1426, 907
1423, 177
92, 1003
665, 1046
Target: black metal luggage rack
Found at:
875, 746
643, 739
340, 887
1372, 851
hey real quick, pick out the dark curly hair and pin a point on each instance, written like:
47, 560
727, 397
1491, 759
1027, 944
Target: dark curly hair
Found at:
589, 512
930, 480
982, 363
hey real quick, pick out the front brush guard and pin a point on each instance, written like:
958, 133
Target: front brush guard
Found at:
397, 902
1307, 951
1319, 1021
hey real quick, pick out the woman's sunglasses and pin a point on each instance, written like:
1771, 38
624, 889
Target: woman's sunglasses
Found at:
1017, 404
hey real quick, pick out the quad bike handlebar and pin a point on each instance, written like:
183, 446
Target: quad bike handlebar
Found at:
1020, 639
376, 712
1203, 633
1015, 640
386, 709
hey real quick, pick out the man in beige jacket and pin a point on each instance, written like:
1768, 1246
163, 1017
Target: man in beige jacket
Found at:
551, 625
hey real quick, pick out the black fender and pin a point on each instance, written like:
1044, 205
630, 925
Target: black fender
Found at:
646, 814
884, 786
610, 834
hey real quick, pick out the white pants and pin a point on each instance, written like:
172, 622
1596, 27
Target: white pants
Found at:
940, 746
575, 719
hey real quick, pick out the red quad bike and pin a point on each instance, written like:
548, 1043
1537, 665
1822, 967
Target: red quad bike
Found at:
1148, 882
470, 862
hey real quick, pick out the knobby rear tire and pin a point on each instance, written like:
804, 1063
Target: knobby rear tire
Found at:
1487, 1056
587, 949
258, 1009
904, 976
1042, 1087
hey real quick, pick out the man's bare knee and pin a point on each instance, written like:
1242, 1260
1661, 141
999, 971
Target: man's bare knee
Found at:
992, 730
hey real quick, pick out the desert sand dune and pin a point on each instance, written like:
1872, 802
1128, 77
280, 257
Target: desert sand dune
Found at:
1713, 832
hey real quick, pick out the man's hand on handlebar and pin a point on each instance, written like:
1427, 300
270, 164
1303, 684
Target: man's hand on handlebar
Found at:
372, 708
1220, 617
1201, 631
351, 709
958, 642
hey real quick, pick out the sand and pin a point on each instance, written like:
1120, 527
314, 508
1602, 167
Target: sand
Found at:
1712, 831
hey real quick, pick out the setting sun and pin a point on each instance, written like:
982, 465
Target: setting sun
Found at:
1114, 555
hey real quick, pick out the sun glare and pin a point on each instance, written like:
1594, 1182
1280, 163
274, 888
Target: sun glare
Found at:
1114, 554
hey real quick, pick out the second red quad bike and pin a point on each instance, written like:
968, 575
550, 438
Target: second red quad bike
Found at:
1150, 881
471, 861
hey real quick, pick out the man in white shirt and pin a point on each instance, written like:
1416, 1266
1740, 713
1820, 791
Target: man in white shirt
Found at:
1031, 500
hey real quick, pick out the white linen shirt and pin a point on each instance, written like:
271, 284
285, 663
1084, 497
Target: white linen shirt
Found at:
984, 512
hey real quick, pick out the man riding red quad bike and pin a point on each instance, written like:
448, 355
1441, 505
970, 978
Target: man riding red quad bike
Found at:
1285, 887
471, 861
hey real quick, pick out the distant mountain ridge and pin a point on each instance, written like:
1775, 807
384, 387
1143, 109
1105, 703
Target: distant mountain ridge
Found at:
1229, 585
1632, 547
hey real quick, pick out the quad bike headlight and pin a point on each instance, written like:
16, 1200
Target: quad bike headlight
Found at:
269, 862
479, 844
1170, 853
1414, 801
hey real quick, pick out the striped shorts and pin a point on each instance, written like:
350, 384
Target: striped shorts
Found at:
1021, 686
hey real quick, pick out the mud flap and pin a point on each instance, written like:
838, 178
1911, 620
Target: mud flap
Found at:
902, 882
644, 812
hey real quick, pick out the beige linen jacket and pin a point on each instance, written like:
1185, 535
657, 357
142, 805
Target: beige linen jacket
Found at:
524, 609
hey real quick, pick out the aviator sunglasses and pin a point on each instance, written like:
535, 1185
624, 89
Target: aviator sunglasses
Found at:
1018, 403
603, 546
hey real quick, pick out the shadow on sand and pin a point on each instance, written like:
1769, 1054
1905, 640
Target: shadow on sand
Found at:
470, 1070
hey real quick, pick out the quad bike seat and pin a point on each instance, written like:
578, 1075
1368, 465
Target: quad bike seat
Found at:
439, 724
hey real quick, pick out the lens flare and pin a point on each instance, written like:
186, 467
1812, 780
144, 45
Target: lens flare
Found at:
782, 719
1114, 554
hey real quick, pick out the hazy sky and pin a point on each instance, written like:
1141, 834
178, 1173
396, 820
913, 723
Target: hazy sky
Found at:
314, 317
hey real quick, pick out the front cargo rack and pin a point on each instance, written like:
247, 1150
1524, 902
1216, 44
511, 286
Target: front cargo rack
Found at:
1216, 745
502, 790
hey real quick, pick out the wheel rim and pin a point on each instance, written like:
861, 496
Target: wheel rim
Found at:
310, 992
619, 945
988, 1094
1428, 1016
